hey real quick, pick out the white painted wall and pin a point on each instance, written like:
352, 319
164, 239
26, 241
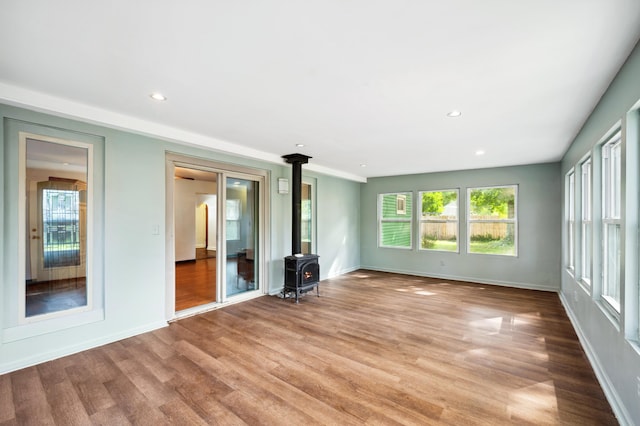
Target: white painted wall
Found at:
130, 242
612, 345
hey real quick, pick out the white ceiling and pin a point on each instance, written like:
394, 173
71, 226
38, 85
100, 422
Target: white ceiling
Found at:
356, 81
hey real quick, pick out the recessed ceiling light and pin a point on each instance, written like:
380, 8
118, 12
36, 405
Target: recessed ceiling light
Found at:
454, 113
65, 164
480, 152
363, 165
158, 96
299, 145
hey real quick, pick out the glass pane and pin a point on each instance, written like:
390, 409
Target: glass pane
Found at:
439, 236
492, 203
586, 251
440, 205
396, 234
242, 234
612, 264
396, 206
195, 210
492, 238
56, 208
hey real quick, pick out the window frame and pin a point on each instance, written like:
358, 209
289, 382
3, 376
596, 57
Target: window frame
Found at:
406, 197
611, 190
586, 221
430, 219
513, 221
570, 202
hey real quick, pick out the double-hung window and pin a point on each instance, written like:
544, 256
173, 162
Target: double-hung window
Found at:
492, 220
439, 220
611, 208
571, 219
586, 228
395, 220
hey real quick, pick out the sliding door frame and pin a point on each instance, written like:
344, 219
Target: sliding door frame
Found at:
223, 170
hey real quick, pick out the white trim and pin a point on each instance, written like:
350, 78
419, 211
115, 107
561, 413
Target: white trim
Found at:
22, 170
40, 357
525, 286
609, 390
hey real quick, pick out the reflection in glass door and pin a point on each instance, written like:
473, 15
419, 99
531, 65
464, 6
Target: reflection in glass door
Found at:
241, 230
57, 173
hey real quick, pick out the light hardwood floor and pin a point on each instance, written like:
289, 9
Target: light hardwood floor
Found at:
375, 348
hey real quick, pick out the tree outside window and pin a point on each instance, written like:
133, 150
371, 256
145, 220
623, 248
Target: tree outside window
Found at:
439, 220
492, 214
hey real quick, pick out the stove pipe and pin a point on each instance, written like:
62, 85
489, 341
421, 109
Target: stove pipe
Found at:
296, 161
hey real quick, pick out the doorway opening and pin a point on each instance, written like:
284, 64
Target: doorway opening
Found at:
215, 229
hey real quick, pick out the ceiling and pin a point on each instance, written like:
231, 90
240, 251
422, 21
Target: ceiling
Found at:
358, 82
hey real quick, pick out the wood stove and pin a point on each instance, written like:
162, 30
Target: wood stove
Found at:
302, 271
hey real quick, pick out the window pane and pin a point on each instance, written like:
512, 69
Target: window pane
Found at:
586, 252
396, 206
492, 203
492, 238
396, 234
56, 219
439, 236
612, 264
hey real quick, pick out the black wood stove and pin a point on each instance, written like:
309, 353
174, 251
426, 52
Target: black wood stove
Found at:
302, 271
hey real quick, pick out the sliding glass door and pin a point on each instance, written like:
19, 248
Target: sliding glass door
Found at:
241, 234
216, 234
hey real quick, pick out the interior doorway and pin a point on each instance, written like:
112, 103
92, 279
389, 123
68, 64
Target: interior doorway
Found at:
215, 234
195, 208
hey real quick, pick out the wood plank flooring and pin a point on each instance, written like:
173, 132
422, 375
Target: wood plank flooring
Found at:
195, 283
375, 348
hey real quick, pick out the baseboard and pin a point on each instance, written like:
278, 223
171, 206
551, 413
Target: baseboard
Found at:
526, 286
83, 346
609, 390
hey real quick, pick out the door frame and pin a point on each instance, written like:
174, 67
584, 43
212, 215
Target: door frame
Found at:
173, 160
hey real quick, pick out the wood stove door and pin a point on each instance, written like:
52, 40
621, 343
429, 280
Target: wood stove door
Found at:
241, 234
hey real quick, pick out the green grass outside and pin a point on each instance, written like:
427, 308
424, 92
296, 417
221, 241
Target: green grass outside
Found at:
482, 247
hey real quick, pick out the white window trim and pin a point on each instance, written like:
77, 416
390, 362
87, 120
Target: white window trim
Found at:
570, 191
22, 318
514, 220
456, 221
586, 221
402, 220
610, 216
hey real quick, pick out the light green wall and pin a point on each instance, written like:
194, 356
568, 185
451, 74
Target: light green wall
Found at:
131, 258
612, 346
537, 265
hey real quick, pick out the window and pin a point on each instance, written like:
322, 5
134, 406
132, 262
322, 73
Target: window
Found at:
586, 228
233, 220
395, 220
611, 201
571, 219
439, 220
56, 210
492, 214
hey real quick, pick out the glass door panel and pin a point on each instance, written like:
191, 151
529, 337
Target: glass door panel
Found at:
56, 240
195, 222
241, 234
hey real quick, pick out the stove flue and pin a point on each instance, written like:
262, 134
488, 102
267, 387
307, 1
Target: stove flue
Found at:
302, 271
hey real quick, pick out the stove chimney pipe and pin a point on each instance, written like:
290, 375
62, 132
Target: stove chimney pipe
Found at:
296, 161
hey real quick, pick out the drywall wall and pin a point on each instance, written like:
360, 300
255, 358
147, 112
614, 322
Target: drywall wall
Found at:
537, 265
611, 344
130, 244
